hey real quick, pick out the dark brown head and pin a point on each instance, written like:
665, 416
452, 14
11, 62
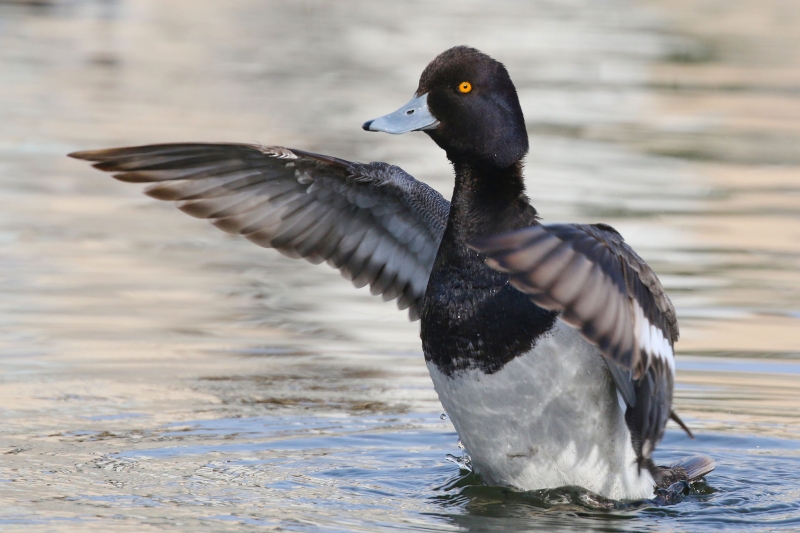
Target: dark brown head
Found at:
468, 105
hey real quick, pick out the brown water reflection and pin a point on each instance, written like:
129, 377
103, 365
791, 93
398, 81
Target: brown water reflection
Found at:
127, 328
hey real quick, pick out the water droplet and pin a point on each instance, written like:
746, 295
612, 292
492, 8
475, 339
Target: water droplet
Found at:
442, 416
464, 462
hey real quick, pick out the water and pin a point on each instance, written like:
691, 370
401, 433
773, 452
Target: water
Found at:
157, 373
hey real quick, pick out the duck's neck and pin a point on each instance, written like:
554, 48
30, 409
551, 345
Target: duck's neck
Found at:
471, 316
487, 200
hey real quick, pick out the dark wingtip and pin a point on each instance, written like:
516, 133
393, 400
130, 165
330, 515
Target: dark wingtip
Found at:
365, 126
678, 421
86, 155
97, 155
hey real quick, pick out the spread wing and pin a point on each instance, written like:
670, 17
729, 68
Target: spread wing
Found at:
375, 223
603, 288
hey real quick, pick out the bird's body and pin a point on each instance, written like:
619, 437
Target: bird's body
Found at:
553, 358
548, 418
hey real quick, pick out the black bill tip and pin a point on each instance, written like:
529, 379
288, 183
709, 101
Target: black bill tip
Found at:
367, 124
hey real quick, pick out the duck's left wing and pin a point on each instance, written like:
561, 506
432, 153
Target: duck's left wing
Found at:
375, 223
603, 288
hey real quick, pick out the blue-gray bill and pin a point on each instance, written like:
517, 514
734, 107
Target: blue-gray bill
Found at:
414, 116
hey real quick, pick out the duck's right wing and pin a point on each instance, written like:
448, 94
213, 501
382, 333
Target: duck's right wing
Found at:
375, 223
605, 290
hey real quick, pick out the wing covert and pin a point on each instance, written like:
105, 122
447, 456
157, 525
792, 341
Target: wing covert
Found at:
374, 222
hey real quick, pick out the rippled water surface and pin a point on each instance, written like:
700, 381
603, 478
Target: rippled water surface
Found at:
158, 374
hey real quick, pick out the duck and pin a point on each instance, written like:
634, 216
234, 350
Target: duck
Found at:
550, 346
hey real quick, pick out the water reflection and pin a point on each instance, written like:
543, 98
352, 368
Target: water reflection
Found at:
158, 372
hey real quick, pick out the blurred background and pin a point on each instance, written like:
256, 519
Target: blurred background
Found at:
157, 373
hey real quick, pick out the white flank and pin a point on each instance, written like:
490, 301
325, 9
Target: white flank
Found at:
547, 419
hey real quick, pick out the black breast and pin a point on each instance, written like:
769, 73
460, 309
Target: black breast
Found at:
473, 318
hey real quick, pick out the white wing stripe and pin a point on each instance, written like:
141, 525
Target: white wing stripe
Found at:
651, 340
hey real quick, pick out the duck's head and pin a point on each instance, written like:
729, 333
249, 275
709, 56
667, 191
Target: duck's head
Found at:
468, 105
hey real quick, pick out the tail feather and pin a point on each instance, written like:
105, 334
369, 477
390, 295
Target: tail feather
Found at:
689, 469
695, 466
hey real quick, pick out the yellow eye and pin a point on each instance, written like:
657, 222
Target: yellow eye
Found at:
464, 87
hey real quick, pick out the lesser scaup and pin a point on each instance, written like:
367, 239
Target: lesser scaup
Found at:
550, 346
